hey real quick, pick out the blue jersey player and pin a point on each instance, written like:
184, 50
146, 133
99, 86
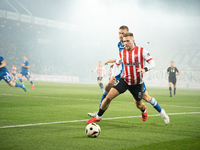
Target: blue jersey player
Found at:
146, 97
24, 72
4, 74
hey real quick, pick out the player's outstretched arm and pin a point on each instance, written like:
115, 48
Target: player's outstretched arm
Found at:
110, 61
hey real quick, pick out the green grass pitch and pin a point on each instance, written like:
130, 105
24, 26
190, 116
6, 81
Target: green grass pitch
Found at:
53, 117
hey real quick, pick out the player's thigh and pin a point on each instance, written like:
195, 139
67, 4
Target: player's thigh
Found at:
10, 83
28, 76
20, 75
121, 86
6, 76
136, 91
112, 94
109, 85
174, 81
170, 84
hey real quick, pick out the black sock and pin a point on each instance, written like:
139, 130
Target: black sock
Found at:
101, 112
101, 85
174, 90
143, 110
170, 89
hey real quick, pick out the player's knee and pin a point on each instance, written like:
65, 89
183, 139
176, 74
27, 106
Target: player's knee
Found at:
108, 99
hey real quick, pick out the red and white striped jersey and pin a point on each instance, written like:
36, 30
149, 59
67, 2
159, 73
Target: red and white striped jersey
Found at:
100, 71
13, 70
132, 61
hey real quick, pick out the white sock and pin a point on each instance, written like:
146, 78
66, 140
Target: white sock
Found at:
98, 117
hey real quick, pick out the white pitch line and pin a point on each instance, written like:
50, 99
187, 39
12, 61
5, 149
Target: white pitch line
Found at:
93, 100
58, 122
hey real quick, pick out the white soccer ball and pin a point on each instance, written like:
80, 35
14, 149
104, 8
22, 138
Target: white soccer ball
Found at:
92, 130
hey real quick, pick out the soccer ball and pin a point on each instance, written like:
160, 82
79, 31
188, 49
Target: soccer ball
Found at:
92, 130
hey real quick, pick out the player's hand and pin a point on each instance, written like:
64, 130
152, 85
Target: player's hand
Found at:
141, 70
22, 65
106, 62
104, 75
92, 70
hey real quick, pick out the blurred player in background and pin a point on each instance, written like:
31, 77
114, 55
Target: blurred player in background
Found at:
24, 72
101, 72
172, 73
4, 74
13, 73
123, 30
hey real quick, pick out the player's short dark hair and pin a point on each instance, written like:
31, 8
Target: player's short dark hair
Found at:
128, 34
124, 28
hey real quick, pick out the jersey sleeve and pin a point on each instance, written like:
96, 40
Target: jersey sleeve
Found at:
168, 70
150, 62
146, 55
177, 70
95, 70
118, 61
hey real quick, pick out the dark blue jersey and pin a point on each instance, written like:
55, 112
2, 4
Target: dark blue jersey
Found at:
121, 46
3, 68
25, 63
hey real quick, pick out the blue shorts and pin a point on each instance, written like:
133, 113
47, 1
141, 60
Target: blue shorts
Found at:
144, 88
6, 76
26, 74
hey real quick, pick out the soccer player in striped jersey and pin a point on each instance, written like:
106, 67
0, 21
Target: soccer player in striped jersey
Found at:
101, 72
24, 72
4, 74
133, 58
146, 97
13, 73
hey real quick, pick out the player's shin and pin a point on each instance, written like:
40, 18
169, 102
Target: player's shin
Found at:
20, 79
31, 82
155, 104
16, 84
103, 96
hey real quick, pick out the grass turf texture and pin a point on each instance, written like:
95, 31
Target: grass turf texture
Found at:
54, 102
